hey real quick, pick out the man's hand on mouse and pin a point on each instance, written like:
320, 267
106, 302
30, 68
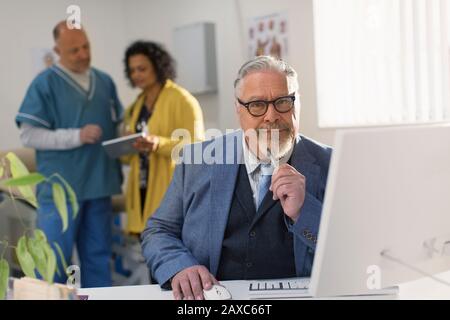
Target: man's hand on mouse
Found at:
288, 185
189, 283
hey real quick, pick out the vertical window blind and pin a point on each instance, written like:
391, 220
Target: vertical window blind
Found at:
381, 62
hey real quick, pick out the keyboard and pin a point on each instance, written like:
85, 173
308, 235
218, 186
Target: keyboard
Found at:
279, 289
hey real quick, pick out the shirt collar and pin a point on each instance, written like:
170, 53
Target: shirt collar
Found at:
74, 75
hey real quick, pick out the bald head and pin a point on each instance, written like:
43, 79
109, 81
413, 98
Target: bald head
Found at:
72, 46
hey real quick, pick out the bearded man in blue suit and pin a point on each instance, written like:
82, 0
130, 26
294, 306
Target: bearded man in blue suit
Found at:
251, 207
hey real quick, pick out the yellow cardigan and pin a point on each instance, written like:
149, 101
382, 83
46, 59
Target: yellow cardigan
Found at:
174, 109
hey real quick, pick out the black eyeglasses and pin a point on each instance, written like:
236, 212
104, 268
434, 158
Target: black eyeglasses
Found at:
259, 108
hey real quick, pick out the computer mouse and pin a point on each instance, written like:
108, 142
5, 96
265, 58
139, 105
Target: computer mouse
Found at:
217, 292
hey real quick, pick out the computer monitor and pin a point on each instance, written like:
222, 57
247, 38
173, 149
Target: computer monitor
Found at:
388, 192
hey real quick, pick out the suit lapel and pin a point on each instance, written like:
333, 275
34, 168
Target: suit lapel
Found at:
223, 181
304, 162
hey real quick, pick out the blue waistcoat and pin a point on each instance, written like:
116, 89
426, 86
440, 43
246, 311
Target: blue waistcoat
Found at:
256, 244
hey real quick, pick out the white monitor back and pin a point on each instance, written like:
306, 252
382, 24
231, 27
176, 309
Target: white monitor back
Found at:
388, 189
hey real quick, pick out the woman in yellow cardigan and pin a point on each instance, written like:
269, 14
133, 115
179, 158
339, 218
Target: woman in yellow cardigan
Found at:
161, 108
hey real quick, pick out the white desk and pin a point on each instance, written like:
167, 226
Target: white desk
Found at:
424, 288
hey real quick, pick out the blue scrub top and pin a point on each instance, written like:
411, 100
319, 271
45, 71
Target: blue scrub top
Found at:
55, 101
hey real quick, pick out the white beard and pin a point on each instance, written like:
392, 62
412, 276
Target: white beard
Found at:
270, 147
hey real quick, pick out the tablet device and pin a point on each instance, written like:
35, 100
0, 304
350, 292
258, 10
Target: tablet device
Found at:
118, 147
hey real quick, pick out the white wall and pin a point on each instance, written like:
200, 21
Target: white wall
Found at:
113, 24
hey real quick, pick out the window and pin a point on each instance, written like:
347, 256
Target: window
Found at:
381, 62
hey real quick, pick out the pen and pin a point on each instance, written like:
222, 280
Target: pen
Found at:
274, 162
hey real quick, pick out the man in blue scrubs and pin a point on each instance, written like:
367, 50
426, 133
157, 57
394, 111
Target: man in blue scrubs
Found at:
68, 110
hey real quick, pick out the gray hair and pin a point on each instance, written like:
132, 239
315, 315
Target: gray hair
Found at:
268, 63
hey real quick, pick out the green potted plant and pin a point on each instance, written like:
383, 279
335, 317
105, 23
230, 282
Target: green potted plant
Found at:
33, 250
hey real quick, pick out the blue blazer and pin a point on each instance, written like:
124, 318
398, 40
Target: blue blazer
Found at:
188, 227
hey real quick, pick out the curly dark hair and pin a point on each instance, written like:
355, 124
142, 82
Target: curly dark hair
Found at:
161, 60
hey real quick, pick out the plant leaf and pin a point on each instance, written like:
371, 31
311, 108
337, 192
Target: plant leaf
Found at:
36, 250
72, 196
27, 180
59, 197
50, 257
4, 275
18, 169
25, 259
61, 255
51, 263
40, 235
2, 171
